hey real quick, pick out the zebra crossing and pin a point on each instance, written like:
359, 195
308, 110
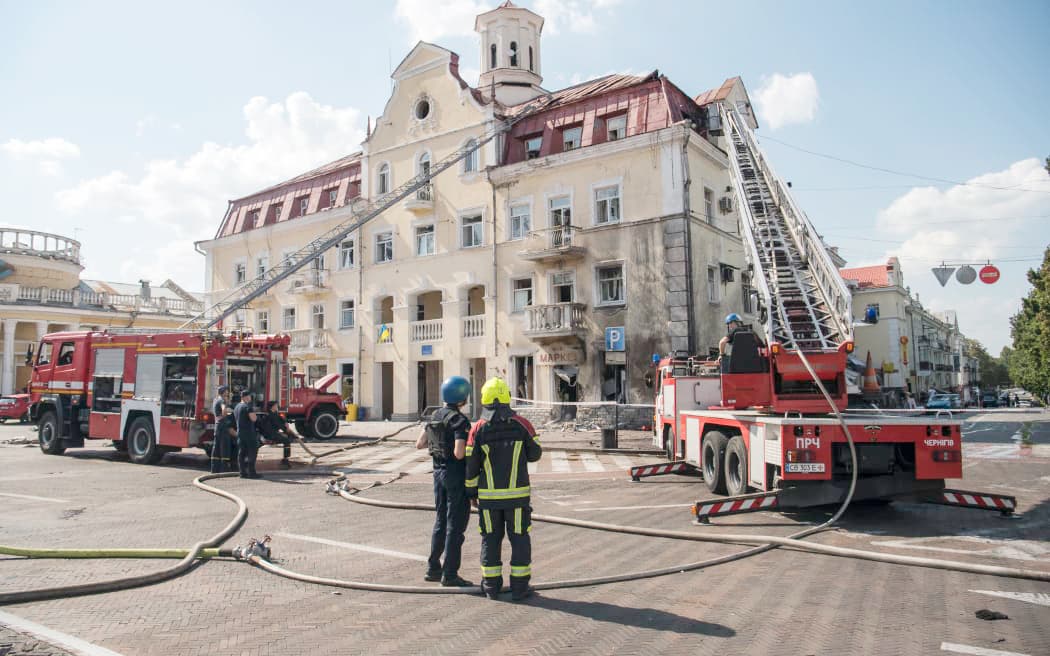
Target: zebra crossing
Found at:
416, 461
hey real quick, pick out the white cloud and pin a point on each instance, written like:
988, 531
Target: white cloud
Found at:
787, 99
580, 16
428, 21
992, 217
51, 148
48, 153
184, 200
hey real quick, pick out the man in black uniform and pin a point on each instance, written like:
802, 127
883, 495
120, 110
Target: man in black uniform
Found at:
247, 438
222, 441
499, 448
275, 429
446, 437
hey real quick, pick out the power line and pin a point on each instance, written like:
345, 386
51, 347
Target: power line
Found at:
901, 173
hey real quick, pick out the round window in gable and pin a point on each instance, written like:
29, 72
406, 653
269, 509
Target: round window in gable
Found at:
422, 109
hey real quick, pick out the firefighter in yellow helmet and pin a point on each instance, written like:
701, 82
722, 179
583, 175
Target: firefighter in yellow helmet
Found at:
499, 448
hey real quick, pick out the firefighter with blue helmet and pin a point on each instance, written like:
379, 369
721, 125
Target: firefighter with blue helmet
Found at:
501, 445
733, 324
445, 435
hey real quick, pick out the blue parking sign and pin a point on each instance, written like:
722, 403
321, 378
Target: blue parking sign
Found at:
615, 339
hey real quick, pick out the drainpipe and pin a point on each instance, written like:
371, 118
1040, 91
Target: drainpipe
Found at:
687, 181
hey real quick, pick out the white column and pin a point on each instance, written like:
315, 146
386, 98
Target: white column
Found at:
7, 376
41, 329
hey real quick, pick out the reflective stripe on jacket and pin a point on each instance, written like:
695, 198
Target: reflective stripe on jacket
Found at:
499, 448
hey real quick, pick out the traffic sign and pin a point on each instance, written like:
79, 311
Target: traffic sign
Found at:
989, 274
966, 275
943, 273
615, 339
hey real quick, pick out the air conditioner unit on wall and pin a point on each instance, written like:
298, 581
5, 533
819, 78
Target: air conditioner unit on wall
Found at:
725, 204
727, 273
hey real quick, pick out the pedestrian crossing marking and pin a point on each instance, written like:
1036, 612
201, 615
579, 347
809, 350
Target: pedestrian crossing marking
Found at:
559, 462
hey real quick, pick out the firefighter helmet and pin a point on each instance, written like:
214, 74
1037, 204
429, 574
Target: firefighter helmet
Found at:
733, 317
495, 389
455, 390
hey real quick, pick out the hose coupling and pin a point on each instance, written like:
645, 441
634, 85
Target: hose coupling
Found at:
260, 548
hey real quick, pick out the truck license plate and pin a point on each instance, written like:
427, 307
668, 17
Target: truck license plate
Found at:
805, 467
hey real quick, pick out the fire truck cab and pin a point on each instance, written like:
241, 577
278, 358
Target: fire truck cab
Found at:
148, 391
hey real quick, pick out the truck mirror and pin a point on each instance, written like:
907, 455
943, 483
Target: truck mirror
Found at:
29, 354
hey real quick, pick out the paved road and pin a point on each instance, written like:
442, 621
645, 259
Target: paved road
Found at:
781, 602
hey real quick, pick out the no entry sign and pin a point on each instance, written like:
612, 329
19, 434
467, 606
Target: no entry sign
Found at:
989, 274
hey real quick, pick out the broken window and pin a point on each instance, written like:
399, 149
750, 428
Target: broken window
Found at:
616, 128
571, 138
532, 147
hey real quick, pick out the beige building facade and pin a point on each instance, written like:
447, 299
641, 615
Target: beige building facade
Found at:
597, 232
41, 292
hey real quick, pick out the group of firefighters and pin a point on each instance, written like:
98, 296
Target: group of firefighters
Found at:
240, 431
485, 466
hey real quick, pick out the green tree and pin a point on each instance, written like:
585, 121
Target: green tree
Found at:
1030, 362
992, 370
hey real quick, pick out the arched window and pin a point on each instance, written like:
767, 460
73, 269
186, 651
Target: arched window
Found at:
514, 54
424, 164
492, 56
383, 180
470, 162
532, 66
423, 168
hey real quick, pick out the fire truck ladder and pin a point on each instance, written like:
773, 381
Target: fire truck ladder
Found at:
361, 213
807, 305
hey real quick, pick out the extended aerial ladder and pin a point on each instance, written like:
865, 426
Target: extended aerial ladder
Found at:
362, 211
803, 303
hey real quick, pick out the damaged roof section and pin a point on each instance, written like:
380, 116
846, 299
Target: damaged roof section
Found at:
645, 102
331, 185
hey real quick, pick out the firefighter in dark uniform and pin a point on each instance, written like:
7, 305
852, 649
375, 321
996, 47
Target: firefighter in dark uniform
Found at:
247, 438
445, 435
222, 440
274, 428
499, 448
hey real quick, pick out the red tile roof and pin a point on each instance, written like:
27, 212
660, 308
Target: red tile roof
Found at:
869, 276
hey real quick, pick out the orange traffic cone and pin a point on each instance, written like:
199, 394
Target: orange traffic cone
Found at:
871, 381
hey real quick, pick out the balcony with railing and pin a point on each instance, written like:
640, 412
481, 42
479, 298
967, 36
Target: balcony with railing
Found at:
558, 243
80, 298
308, 342
41, 244
553, 321
309, 282
474, 326
422, 200
431, 330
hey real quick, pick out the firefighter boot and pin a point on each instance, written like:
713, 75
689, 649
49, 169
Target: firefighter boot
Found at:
519, 587
491, 586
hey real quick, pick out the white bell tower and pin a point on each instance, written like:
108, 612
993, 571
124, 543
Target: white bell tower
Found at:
510, 53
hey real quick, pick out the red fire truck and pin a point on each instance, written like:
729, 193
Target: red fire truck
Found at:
314, 410
763, 417
148, 391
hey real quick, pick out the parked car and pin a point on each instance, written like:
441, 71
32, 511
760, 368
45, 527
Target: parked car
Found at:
944, 402
990, 400
14, 406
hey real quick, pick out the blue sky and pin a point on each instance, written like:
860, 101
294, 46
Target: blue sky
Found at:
126, 120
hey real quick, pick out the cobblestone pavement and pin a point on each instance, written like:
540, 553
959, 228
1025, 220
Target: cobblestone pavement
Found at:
782, 602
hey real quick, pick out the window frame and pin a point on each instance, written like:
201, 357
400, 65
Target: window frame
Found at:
240, 271
472, 214
275, 211
525, 144
289, 312
514, 309
610, 264
262, 263
314, 314
333, 196
353, 314
262, 322
565, 132
471, 164
709, 204
340, 254
619, 118
433, 239
375, 245
714, 294
527, 205
384, 178
550, 286
304, 205
603, 186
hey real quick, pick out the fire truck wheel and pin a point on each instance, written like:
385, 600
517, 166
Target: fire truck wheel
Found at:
669, 443
736, 466
712, 460
324, 424
142, 443
50, 442
120, 445
303, 429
